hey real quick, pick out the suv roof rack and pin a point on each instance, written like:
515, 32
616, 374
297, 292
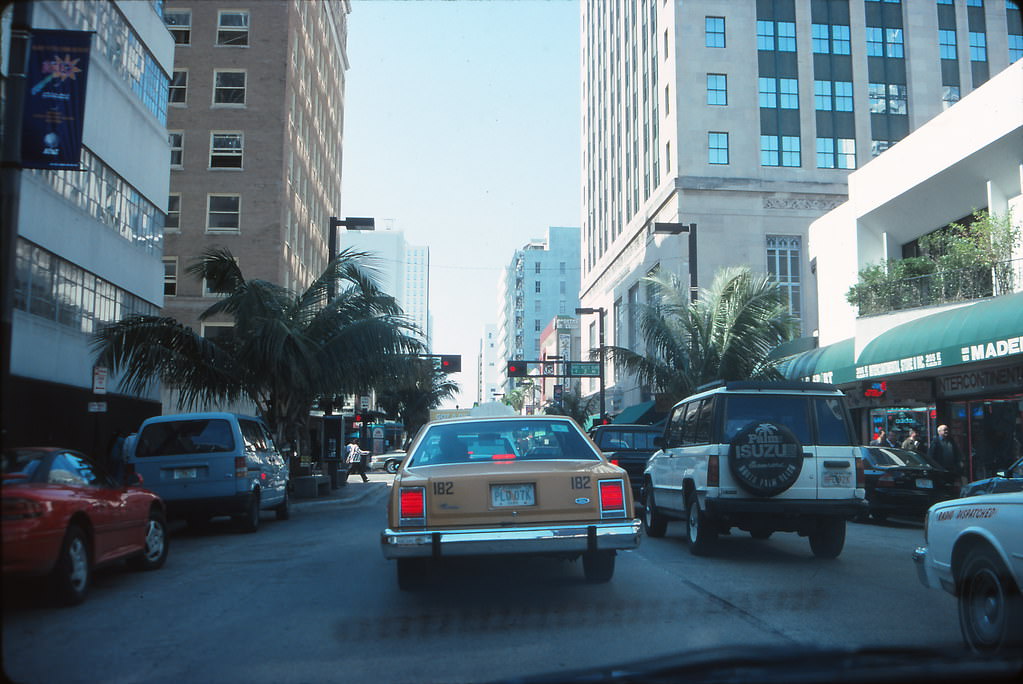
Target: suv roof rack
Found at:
766, 385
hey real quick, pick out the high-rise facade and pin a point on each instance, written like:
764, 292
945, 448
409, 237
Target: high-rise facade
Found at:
255, 129
89, 240
745, 118
402, 271
540, 282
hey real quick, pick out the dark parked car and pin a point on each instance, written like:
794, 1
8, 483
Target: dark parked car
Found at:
902, 482
1008, 480
628, 446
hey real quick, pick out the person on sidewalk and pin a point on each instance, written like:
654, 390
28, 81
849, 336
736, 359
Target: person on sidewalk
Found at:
945, 452
356, 459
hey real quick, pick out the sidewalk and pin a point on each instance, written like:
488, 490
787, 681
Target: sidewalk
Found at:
352, 493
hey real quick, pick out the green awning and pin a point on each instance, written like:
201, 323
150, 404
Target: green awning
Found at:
639, 414
833, 363
988, 329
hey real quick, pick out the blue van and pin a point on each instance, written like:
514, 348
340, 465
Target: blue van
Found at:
209, 464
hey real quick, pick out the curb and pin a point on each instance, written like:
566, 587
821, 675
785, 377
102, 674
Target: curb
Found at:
345, 499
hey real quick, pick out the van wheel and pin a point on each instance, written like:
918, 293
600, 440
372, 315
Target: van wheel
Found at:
828, 538
598, 566
73, 572
699, 531
249, 521
283, 509
654, 523
154, 553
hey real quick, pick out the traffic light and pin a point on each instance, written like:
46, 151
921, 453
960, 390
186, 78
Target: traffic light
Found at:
451, 363
517, 369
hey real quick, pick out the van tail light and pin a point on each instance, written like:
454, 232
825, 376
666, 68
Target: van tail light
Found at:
412, 505
22, 509
713, 471
861, 478
612, 499
240, 468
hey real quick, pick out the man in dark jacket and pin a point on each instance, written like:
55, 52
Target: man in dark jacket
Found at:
945, 452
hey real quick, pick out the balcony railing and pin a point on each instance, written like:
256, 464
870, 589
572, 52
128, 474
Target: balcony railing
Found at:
941, 287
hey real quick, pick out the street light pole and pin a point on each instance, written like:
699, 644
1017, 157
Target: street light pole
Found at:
600, 311
350, 223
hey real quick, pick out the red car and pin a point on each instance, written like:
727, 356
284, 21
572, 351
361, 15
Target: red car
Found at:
63, 515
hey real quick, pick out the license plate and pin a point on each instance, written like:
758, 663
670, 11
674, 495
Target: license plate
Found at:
922, 483
836, 479
512, 495
185, 473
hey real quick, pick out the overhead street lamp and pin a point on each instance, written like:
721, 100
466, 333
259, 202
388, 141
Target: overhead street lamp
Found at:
350, 223
675, 229
598, 310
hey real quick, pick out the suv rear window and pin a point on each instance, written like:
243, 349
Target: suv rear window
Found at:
185, 437
794, 412
610, 440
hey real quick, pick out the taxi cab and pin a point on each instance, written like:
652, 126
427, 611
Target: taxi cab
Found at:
511, 485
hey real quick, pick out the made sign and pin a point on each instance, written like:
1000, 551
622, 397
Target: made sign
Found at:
580, 369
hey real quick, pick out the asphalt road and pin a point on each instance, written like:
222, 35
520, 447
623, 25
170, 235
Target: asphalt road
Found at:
313, 600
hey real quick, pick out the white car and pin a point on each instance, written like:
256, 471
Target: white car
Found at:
975, 552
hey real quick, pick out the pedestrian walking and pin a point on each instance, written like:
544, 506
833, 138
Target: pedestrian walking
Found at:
912, 443
356, 459
882, 440
945, 452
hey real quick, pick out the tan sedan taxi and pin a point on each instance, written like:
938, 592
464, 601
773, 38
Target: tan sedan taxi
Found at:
515, 485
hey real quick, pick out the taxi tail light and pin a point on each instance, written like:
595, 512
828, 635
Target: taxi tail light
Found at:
614, 461
412, 503
861, 478
713, 471
612, 498
22, 509
503, 457
240, 468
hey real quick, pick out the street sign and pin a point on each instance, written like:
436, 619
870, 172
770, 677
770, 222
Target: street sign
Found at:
583, 369
97, 407
99, 380
566, 323
548, 369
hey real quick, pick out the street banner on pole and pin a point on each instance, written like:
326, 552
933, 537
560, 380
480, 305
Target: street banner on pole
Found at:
54, 111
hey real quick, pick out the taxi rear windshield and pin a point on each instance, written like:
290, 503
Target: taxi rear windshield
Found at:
502, 440
185, 437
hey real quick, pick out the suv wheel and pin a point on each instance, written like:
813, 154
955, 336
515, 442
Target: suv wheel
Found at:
990, 606
698, 529
654, 524
827, 540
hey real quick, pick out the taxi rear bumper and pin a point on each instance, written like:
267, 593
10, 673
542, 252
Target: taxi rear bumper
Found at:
577, 538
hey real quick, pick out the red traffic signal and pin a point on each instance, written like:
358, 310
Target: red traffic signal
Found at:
451, 363
517, 369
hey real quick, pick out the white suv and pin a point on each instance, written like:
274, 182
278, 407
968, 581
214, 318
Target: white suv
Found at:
760, 456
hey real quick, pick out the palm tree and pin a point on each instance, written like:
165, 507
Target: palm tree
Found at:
574, 406
725, 335
410, 397
283, 351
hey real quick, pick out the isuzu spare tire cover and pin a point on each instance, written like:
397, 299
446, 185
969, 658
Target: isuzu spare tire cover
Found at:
765, 458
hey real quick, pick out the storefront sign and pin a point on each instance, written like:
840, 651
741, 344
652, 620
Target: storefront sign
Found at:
54, 109
906, 365
991, 380
993, 350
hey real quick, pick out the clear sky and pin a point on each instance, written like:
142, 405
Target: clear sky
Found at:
462, 131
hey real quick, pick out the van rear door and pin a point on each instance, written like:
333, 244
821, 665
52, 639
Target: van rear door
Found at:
187, 459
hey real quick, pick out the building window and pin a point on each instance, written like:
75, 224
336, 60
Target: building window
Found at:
947, 44
843, 96
667, 157
233, 28
226, 150
978, 47
667, 100
882, 41
836, 153
949, 96
715, 32
179, 23
229, 87
170, 276
537, 286
172, 223
879, 146
887, 97
831, 39
177, 148
179, 87
783, 267
769, 150
771, 145
833, 96
562, 267
717, 89
223, 213
776, 35
717, 148
779, 92
768, 93
536, 267
974, 3
536, 325
1015, 47
215, 331
822, 99
790, 154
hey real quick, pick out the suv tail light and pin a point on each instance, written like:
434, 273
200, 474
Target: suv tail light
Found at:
713, 471
861, 478
22, 509
240, 467
612, 499
412, 505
